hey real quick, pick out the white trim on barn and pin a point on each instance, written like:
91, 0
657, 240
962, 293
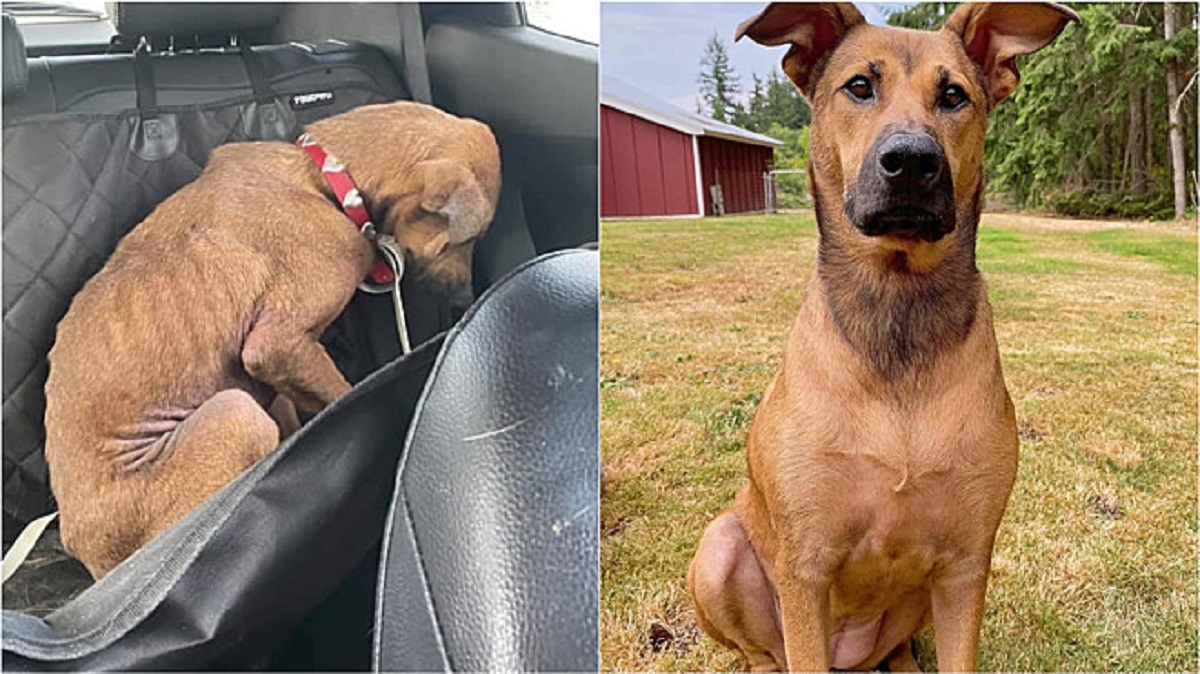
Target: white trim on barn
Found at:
699, 179
629, 99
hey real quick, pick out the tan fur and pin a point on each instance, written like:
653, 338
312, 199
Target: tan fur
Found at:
882, 455
208, 314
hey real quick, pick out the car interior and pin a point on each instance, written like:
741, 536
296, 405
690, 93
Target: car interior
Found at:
455, 527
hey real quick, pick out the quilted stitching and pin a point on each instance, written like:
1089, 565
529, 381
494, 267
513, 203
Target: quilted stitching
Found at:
72, 189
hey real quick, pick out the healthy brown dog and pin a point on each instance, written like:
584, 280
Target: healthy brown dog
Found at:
209, 313
882, 456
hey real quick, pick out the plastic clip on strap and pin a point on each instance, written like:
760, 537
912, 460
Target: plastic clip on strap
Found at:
143, 81
155, 136
395, 259
275, 120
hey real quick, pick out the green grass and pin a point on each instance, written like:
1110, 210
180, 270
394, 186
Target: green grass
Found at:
1174, 255
1007, 251
1095, 565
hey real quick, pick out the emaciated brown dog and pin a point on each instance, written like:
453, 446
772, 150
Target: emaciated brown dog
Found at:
208, 314
882, 455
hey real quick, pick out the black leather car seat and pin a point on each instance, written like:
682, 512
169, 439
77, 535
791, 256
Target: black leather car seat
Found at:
490, 559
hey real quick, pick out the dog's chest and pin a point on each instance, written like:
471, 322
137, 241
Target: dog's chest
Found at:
892, 521
891, 530
888, 508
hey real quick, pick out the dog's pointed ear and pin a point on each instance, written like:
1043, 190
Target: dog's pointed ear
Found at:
450, 189
995, 33
813, 29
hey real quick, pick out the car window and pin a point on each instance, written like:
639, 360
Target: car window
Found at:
578, 20
58, 11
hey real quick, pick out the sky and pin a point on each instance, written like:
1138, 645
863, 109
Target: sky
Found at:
657, 47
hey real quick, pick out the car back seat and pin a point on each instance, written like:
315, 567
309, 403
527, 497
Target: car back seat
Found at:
293, 555
83, 163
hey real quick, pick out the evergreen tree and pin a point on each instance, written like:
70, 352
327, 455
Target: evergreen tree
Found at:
922, 16
719, 83
784, 104
755, 111
774, 102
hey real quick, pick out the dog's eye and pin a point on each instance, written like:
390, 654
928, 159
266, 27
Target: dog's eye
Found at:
953, 98
859, 87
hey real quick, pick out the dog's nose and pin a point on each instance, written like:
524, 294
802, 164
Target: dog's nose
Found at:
910, 160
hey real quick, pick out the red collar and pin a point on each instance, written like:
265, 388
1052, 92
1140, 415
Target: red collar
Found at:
351, 202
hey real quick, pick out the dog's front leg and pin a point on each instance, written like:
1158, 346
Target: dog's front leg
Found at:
283, 411
804, 612
957, 595
281, 348
294, 364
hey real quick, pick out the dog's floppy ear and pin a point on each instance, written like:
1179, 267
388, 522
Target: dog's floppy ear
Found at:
449, 188
995, 33
813, 29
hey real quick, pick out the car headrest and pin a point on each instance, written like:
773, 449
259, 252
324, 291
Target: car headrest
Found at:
16, 69
160, 19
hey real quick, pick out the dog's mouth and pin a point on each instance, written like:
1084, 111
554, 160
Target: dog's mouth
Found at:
908, 223
904, 192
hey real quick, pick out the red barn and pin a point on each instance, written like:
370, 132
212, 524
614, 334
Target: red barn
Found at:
648, 159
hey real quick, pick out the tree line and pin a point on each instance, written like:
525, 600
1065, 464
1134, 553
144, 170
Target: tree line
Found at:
1103, 124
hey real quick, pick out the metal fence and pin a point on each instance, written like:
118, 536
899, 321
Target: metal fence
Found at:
786, 189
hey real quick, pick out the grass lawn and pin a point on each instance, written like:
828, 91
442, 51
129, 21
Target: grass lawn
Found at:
1095, 565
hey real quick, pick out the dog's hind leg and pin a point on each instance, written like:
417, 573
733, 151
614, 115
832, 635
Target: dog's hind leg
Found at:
735, 601
227, 434
901, 659
223, 437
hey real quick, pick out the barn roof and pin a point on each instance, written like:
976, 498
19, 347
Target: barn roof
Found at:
628, 98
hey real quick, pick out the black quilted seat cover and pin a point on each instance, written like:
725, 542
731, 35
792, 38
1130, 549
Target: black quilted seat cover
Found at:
491, 557
75, 183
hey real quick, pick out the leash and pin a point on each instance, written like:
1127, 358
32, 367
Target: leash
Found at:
388, 266
395, 258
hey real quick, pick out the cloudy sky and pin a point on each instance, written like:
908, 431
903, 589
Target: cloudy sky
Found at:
657, 47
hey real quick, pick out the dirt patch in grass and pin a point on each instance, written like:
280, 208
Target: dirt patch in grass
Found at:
1049, 223
1095, 565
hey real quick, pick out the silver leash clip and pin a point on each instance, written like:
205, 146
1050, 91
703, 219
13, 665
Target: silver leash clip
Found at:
395, 259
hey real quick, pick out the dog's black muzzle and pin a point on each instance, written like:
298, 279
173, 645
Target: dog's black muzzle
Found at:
431, 304
904, 189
